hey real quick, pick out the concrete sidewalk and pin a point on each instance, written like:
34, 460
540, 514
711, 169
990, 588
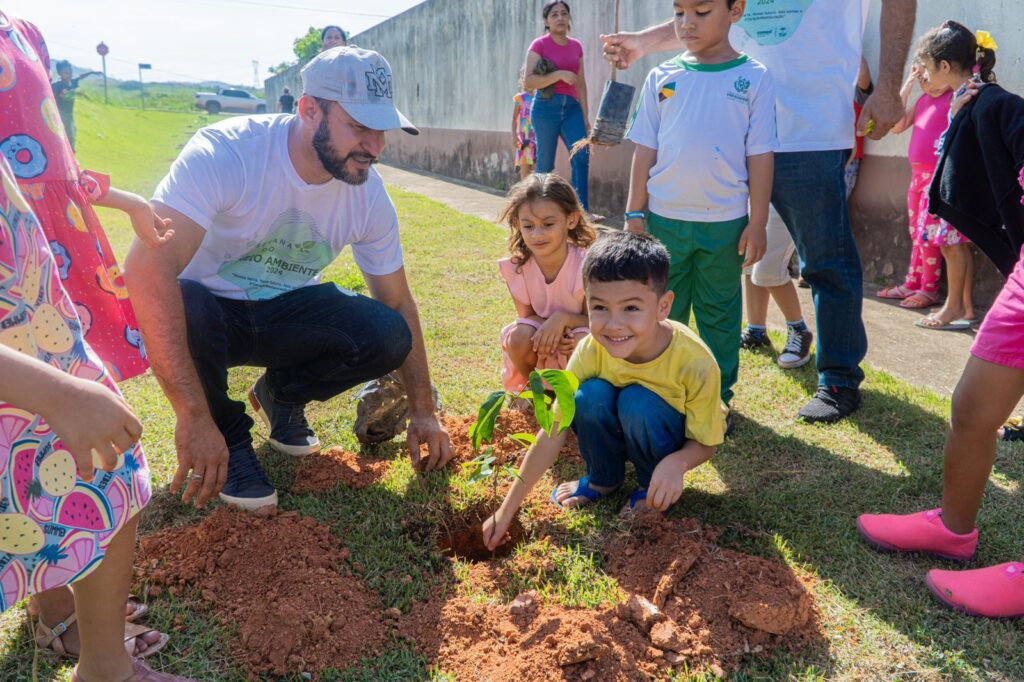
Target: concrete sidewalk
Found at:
921, 357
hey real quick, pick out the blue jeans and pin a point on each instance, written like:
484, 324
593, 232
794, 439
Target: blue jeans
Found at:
315, 342
631, 423
561, 116
810, 195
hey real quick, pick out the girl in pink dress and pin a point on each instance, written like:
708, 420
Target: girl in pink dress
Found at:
33, 140
549, 233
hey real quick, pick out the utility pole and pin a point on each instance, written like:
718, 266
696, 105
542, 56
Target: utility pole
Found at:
256, 74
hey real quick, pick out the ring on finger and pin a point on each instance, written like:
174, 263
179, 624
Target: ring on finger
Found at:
197, 477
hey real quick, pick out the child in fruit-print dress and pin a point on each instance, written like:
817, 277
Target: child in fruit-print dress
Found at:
33, 140
72, 475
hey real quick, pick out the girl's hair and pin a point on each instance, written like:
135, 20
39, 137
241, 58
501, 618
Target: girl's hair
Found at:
954, 43
550, 187
550, 5
339, 29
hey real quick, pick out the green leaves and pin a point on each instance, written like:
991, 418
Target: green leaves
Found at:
483, 429
564, 384
540, 406
483, 466
525, 439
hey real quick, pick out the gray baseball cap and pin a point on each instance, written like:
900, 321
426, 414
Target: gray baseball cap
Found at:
361, 82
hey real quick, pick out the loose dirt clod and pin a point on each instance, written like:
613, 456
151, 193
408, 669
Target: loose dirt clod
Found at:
330, 468
275, 576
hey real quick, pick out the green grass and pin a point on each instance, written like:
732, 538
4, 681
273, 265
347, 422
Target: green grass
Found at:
798, 487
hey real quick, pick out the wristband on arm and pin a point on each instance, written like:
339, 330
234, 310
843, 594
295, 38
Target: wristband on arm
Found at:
630, 215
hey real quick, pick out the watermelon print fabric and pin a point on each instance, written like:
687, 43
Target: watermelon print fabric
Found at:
54, 527
33, 141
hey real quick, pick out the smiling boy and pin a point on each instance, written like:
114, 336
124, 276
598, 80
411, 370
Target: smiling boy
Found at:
701, 177
649, 389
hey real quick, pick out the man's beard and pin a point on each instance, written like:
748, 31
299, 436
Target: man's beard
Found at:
334, 164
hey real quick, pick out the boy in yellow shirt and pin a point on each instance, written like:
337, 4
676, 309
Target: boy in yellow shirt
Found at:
649, 389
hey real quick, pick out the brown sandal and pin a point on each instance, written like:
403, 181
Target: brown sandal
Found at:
50, 638
143, 673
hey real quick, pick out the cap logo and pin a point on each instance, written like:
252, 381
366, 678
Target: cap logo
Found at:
378, 82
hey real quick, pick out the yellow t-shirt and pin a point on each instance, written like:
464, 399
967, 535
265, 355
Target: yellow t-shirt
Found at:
685, 376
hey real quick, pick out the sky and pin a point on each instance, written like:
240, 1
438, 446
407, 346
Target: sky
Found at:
191, 40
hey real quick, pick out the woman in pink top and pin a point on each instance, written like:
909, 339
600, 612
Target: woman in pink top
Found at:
549, 234
561, 112
933, 239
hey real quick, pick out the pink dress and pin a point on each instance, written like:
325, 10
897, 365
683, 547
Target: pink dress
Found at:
528, 287
54, 527
32, 139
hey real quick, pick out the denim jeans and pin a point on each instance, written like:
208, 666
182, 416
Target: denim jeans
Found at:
631, 423
561, 116
809, 193
315, 342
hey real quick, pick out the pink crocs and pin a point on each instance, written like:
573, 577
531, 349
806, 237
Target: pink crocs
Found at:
993, 592
920, 532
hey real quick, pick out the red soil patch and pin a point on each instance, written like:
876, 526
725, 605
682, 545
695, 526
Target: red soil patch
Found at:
281, 578
330, 468
689, 604
506, 450
721, 603
462, 536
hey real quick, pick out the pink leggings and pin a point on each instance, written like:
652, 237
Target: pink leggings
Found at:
926, 255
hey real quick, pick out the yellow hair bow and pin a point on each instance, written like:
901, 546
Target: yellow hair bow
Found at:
985, 40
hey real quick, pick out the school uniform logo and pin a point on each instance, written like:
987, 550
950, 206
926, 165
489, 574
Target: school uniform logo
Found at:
378, 82
740, 90
666, 92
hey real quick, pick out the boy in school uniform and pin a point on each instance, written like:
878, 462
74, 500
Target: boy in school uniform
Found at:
701, 178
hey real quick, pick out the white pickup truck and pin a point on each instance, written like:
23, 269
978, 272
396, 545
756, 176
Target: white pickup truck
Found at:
227, 99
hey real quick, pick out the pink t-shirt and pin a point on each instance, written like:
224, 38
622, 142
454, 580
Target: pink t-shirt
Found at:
931, 118
565, 58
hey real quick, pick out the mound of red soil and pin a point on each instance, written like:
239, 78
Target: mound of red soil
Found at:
281, 578
487, 642
720, 602
506, 450
689, 605
330, 468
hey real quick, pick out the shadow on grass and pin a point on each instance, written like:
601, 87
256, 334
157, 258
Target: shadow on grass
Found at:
802, 499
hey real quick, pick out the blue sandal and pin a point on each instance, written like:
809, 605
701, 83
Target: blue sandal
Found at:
583, 489
639, 495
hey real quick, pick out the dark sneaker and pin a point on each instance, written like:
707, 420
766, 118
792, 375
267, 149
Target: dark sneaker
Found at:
830, 404
730, 425
752, 340
289, 430
797, 351
248, 486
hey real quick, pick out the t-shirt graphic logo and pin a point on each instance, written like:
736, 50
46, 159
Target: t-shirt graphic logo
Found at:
771, 22
292, 255
378, 82
667, 91
741, 85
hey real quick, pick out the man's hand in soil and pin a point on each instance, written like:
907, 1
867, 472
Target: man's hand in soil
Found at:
428, 430
202, 459
495, 529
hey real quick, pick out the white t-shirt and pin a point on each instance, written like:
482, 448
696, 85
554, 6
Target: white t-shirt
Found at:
812, 48
704, 120
267, 231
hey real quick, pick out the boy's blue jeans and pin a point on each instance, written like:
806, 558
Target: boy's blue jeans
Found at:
809, 193
315, 342
561, 116
631, 423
